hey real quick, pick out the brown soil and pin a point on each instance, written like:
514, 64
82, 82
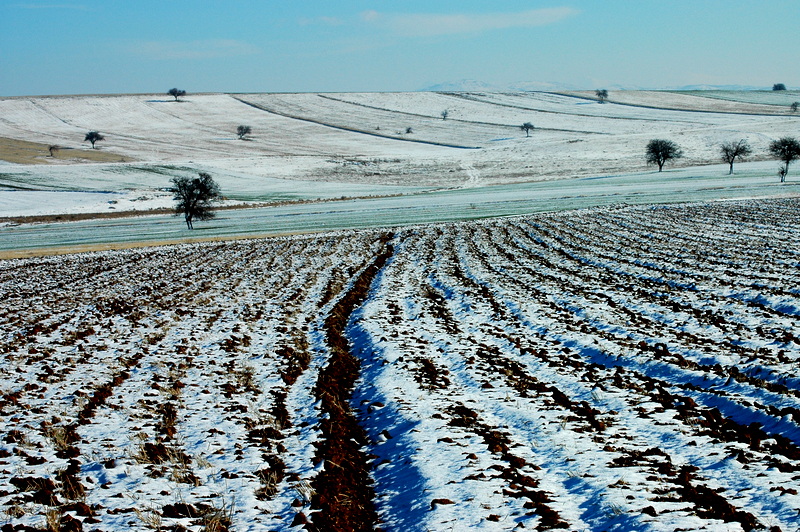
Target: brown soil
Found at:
75, 217
344, 495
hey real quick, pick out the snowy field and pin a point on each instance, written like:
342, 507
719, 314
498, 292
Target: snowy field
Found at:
780, 99
708, 184
384, 156
450, 327
364, 139
618, 368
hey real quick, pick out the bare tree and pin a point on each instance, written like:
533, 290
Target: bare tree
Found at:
731, 150
527, 127
794, 106
242, 131
176, 93
445, 114
779, 87
93, 136
194, 197
660, 151
602, 95
787, 149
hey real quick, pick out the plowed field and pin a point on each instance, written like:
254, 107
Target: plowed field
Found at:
631, 368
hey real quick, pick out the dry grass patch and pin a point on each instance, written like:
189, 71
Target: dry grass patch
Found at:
25, 152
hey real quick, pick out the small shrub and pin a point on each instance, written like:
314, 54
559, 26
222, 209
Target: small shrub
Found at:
149, 518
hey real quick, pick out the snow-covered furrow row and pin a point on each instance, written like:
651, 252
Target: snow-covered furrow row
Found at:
305, 353
496, 359
30, 307
657, 246
599, 499
442, 403
74, 353
719, 305
660, 301
288, 459
733, 475
740, 320
683, 276
186, 350
91, 370
506, 349
341, 495
594, 314
719, 223
495, 400
725, 253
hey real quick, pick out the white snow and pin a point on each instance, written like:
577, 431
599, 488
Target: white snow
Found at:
511, 373
617, 351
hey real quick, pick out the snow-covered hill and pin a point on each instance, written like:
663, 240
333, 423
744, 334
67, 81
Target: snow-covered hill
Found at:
388, 138
490, 332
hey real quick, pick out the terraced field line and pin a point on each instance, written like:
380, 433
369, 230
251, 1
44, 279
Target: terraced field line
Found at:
354, 130
477, 122
683, 110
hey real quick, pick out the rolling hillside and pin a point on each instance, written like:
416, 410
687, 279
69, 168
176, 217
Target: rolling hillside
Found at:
297, 135
481, 330
358, 145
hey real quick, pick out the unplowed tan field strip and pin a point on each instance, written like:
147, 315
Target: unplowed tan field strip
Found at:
25, 152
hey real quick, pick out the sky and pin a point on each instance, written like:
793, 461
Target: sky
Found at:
146, 46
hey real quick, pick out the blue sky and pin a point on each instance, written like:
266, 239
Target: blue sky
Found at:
116, 46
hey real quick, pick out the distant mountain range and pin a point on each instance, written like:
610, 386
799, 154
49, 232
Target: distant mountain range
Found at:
471, 85
722, 88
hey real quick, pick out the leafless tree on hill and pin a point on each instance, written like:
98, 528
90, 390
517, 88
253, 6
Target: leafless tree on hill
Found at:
242, 131
176, 93
660, 151
194, 197
93, 136
731, 150
527, 127
787, 149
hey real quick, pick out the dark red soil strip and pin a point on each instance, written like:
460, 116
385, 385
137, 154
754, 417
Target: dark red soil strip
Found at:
343, 499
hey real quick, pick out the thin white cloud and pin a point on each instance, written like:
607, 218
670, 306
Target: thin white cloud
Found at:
324, 21
426, 25
370, 16
205, 49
